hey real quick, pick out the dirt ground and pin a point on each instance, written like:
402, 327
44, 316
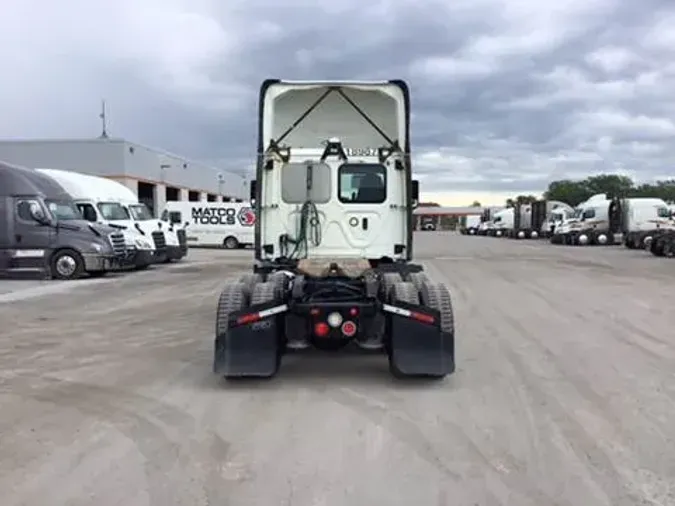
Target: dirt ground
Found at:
564, 393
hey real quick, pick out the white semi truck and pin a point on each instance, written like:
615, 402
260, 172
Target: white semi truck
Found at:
167, 242
92, 197
642, 219
334, 199
594, 222
469, 224
502, 222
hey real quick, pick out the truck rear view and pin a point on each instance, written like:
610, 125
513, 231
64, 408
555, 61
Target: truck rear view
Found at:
334, 199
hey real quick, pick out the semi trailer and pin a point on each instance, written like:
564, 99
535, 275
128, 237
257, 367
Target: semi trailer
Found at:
334, 199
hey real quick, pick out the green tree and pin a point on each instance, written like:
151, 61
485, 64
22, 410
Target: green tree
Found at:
520, 199
475, 204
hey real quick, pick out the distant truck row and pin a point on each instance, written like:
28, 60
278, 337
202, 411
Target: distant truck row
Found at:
634, 222
63, 225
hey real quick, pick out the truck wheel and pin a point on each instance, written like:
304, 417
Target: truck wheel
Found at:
437, 296
232, 299
657, 246
279, 280
249, 281
231, 243
418, 279
389, 279
66, 264
263, 292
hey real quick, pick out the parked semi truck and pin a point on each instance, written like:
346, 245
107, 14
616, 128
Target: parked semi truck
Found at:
468, 225
487, 226
97, 205
42, 232
642, 219
334, 199
166, 241
596, 221
502, 222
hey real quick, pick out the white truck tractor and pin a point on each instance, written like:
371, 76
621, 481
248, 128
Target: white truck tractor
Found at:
642, 219
469, 224
594, 222
334, 199
169, 239
96, 204
502, 222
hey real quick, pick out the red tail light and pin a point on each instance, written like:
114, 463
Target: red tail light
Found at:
248, 318
349, 328
421, 317
321, 329
354, 311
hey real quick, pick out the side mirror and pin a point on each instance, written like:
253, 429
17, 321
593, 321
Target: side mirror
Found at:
38, 214
415, 193
253, 190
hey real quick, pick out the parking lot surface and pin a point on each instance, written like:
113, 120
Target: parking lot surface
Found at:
564, 393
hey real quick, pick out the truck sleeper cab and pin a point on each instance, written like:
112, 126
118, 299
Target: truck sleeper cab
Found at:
42, 232
334, 200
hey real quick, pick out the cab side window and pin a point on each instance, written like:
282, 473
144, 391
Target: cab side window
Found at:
23, 209
175, 217
88, 211
589, 214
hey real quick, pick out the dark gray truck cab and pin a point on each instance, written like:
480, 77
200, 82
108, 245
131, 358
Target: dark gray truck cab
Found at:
42, 232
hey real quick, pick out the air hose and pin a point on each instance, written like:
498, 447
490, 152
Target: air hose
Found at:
309, 232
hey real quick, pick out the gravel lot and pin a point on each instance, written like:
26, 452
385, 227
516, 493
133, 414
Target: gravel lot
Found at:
564, 394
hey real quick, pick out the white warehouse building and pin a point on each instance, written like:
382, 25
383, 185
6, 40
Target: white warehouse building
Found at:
156, 176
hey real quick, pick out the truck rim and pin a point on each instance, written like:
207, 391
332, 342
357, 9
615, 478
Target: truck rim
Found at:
66, 266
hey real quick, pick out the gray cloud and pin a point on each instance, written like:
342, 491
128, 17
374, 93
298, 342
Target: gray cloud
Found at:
506, 94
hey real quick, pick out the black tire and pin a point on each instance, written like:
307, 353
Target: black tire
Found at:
418, 279
232, 299
60, 259
280, 281
263, 293
97, 274
657, 246
389, 279
437, 296
250, 280
141, 267
230, 242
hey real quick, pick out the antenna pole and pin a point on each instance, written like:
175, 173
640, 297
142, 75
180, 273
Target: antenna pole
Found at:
104, 123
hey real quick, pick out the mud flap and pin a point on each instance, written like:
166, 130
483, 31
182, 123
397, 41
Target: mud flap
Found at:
418, 348
250, 345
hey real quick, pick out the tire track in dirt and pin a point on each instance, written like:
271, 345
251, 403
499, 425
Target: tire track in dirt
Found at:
601, 465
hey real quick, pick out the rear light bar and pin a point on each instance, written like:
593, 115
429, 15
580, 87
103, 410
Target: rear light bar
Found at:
259, 315
407, 313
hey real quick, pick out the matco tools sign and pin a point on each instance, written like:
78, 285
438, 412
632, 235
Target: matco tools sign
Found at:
229, 216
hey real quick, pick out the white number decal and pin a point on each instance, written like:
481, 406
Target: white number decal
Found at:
361, 151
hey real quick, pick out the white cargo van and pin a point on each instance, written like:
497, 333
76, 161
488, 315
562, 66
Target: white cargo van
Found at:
227, 224
97, 205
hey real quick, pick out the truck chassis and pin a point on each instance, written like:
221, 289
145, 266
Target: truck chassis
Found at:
393, 308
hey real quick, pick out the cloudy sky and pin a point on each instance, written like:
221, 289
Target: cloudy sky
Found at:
507, 94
